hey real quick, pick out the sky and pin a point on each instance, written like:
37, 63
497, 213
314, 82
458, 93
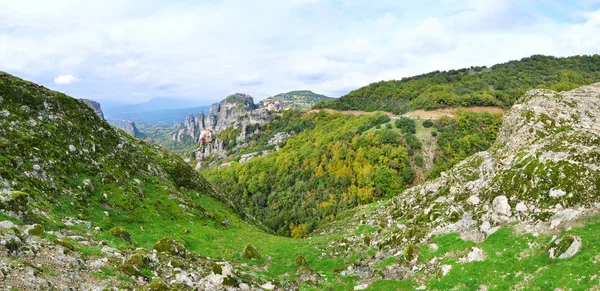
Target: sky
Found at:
129, 51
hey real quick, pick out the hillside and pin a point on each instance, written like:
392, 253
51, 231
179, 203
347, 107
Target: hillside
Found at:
320, 163
84, 203
302, 99
521, 215
500, 85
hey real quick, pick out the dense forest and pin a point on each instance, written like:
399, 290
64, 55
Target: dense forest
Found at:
500, 85
337, 162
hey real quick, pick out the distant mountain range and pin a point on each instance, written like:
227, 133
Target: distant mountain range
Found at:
155, 111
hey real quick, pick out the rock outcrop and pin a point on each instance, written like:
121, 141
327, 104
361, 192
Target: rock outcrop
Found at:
131, 129
94, 105
236, 110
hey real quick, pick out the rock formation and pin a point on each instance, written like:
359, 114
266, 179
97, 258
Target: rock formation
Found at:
237, 111
94, 105
131, 129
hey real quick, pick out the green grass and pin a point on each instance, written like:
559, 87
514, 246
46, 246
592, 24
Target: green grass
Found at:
521, 260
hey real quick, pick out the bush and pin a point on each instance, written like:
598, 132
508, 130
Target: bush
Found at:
251, 253
419, 161
36, 230
410, 252
406, 125
427, 123
157, 285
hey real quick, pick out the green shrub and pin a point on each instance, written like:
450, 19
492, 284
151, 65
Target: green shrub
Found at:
410, 252
406, 125
251, 253
427, 123
36, 230
217, 269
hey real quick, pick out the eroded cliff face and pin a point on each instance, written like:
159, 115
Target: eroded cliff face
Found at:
237, 112
131, 129
94, 105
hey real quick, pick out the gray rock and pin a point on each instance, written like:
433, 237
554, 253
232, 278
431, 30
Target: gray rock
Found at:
131, 129
500, 205
95, 106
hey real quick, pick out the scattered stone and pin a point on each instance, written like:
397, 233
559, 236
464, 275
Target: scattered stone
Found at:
6, 224
557, 193
361, 287
268, 286
476, 255
501, 206
521, 207
88, 186
446, 269
473, 200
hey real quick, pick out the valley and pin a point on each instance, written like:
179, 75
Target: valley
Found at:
283, 196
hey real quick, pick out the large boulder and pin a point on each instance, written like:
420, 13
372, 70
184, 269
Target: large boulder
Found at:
564, 247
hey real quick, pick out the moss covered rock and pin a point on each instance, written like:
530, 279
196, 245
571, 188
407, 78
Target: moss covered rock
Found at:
251, 253
410, 252
15, 201
170, 246
157, 285
36, 230
121, 233
217, 269
564, 247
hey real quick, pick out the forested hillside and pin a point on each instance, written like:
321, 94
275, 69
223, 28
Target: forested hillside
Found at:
499, 85
336, 162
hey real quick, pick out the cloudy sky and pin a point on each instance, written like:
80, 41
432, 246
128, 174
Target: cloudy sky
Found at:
134, 50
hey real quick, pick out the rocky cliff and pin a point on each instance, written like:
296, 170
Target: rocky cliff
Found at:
94, 105
131, 129
236, 110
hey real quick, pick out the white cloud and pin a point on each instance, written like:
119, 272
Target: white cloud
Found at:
249, 80
135, 49
65, 79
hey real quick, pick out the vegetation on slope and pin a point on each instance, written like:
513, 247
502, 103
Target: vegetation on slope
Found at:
336, 163
301, 99
500, 85
461, 136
